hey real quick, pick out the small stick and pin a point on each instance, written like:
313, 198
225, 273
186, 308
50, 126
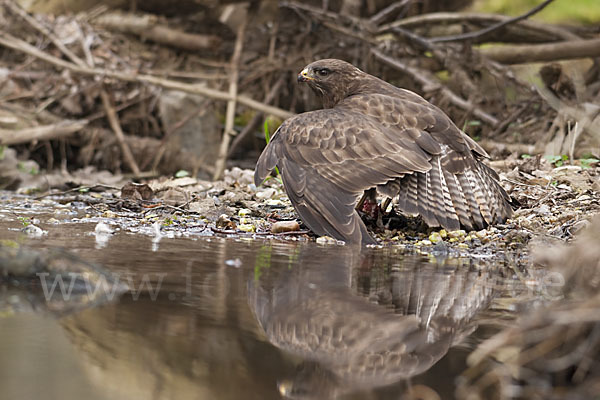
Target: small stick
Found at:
228, 132
489, 29
383, 14
549, 32
116, 127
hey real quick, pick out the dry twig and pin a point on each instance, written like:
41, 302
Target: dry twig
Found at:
530, 29
228, 132
484, 32
147, 27
116, 127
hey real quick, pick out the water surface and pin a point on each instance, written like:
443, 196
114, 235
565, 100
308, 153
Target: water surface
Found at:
216, 318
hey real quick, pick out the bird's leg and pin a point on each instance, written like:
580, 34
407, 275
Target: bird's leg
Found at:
385, 205
381, 213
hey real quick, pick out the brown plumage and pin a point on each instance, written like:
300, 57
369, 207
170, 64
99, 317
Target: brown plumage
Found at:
373, 134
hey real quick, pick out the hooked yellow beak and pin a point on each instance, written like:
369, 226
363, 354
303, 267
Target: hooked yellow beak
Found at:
304, 76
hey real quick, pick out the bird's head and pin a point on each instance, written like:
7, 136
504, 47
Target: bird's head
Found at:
332, 80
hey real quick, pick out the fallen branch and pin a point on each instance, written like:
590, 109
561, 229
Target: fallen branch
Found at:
228, 131
113, 120
486, 31
146, 27
515, 54
491, 145
543, 32
429, 83
45, 132
14, 43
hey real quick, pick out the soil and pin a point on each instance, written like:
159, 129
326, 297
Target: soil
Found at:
553, 204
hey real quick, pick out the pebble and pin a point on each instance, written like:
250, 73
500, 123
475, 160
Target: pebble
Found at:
457, 234
274, 202
481, 234
34, 231
285, 226
265, 194
543, 210
243, 212
435, 237
326, 240
246, 228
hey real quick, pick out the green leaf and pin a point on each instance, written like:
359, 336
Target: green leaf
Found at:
557, 160
182, 173
268, 139
588, 162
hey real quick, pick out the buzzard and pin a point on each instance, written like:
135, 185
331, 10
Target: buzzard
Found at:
372, 134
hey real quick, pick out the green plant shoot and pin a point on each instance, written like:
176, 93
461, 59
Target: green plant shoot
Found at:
268, 139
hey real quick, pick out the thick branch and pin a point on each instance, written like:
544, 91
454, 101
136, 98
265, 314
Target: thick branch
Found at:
146, 27
515, 54
45, 132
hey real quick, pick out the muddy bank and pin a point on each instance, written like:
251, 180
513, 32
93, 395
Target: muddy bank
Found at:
553, 204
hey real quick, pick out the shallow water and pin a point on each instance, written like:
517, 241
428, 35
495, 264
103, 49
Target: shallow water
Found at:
214, 318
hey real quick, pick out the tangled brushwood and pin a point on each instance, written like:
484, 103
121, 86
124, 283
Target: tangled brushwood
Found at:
142, 92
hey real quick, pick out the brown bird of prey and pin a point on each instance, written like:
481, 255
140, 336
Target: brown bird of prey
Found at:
372, 134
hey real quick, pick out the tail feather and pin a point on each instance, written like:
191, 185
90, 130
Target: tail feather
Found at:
479, 188
452, 217
425, 203
471, 201
408, 196
472, 198
458, 200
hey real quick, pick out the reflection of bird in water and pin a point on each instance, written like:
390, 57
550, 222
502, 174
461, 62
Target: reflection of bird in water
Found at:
405, 323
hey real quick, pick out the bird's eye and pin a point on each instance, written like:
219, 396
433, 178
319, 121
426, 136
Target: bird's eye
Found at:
323, 72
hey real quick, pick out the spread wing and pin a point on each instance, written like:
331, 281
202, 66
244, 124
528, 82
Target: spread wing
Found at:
395, 141
458, 189
327, 158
